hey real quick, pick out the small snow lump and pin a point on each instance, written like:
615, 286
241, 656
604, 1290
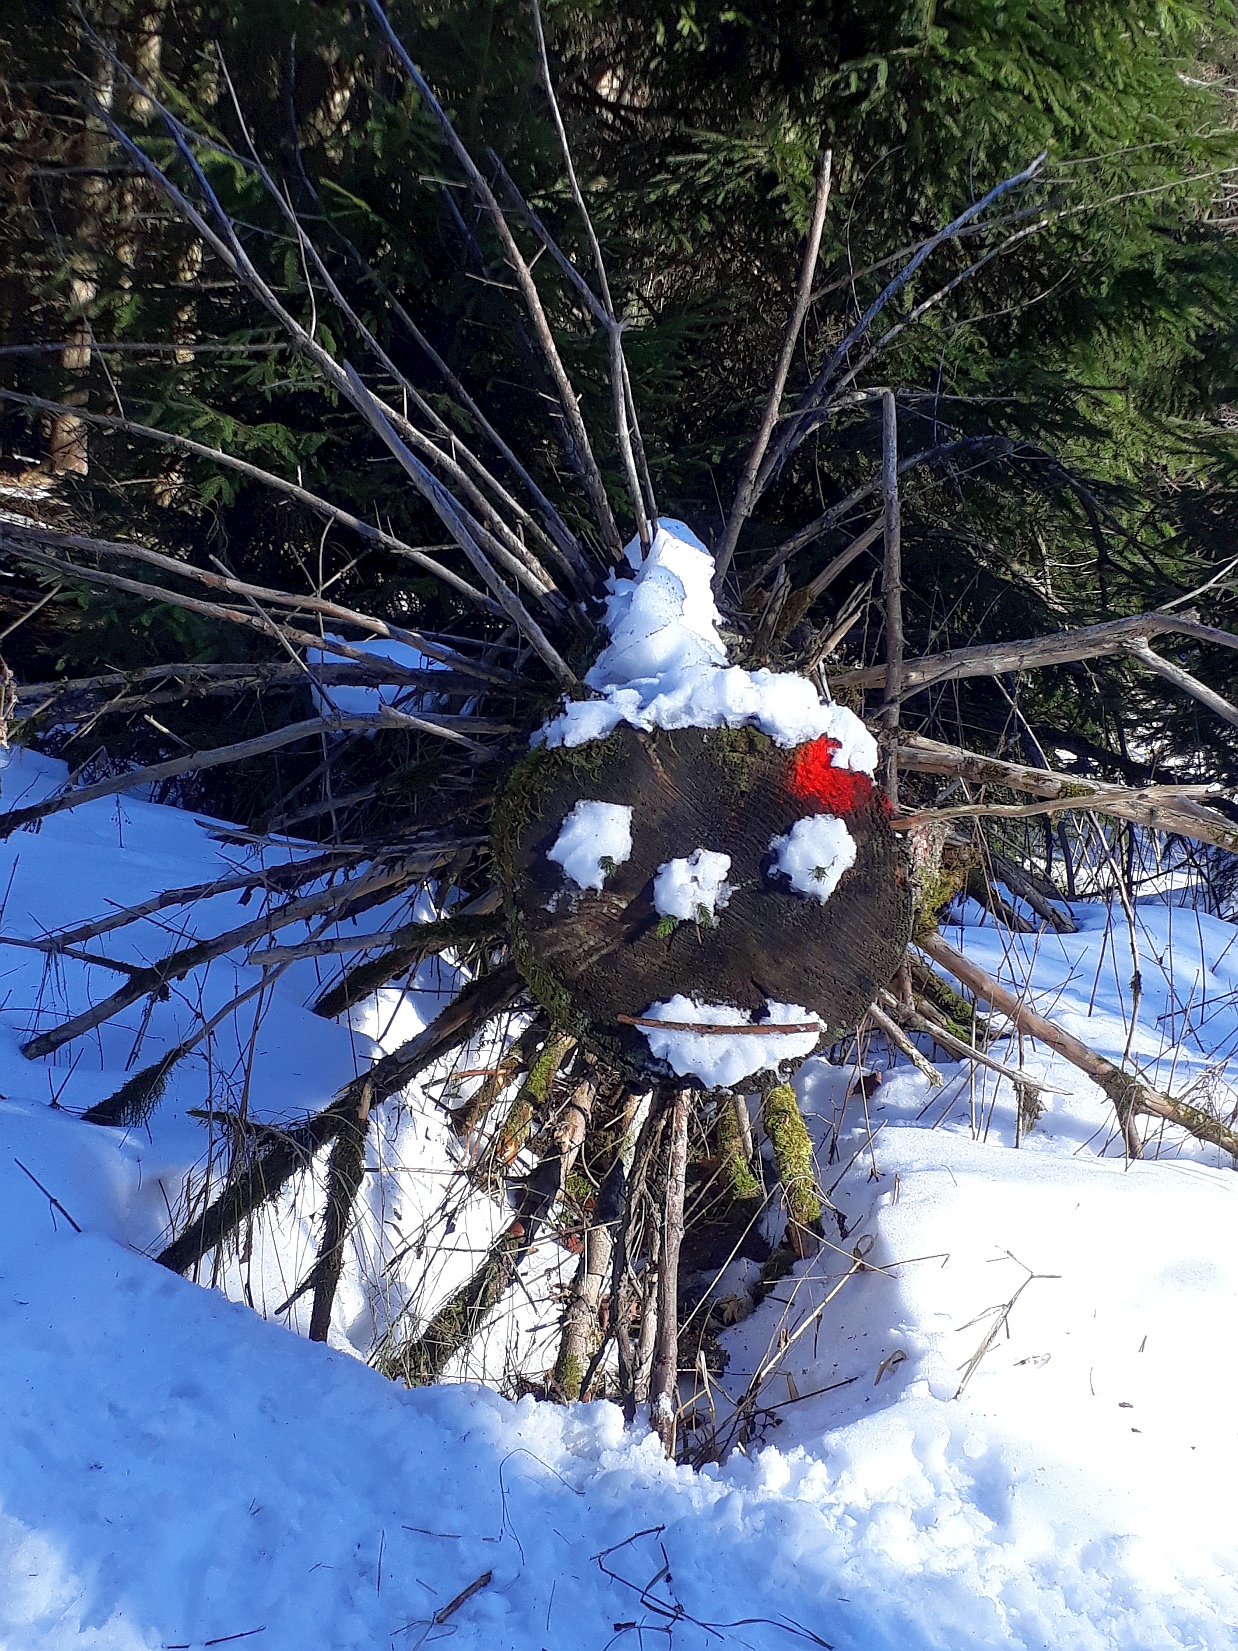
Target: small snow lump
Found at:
685, 888
814, 854
594, 839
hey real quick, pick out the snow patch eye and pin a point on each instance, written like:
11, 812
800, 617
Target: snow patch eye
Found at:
693, 890
593, 840
814, 854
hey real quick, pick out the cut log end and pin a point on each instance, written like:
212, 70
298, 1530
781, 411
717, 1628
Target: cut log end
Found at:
598, 960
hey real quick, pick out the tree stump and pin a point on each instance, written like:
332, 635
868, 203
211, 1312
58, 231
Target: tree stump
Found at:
593, 957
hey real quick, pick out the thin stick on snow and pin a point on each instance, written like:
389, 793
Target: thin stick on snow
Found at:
763, 1030
50, 1196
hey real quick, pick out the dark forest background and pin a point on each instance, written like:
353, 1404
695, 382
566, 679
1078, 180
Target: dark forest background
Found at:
1075, 396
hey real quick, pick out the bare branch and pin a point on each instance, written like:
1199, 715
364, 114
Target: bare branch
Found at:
746, 493
214, 610
443, 727
453, 519
590, 474
1128, 1093
267, 478
1188, 683
1115, 636
625, 411
341, 898
795, 427
233, 587
1178, 814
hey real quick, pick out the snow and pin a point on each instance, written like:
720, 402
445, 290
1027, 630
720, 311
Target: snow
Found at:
686, 887
720, 1061
176, 1470
666, 665
592, 834
814, 854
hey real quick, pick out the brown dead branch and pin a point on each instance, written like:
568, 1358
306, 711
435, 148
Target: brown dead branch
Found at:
273, 879
344, 1175
891, 1029
1180, 814
422, 1357
626, 430
837, 369
746, 493
457, 524
892, 590
664, 1385
258, 621
580, 449
242, 751
312, 501
1129, 1094
1116, 636
342, 899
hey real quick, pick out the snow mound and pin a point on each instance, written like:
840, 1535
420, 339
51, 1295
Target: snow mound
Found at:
593, 833
666, 665
685, 888
814, 854
720, 1061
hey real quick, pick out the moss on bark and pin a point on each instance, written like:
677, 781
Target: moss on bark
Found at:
788, 1135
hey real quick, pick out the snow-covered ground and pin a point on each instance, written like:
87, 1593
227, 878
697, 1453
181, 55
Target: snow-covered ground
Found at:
1009, 1424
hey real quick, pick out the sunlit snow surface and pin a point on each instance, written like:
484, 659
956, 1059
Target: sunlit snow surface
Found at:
173, 1470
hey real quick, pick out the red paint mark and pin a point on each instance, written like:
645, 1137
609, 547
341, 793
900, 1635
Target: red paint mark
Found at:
814, 779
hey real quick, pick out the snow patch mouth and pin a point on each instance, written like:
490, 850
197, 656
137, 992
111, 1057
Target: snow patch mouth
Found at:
696, 1040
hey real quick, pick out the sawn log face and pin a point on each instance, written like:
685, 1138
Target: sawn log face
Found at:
732, 791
